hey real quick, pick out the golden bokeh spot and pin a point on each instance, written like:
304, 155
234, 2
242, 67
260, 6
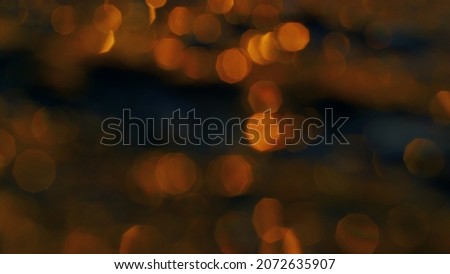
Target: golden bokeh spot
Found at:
207, 29
156, 3
292, 36
235, 175
107, 18
169, 53
141, 239
407, 226
265, 17
34, 170
176, 173
263, 136
268, 219
198, 63
265, 95
7, 148
440, 107
423, 158
144, 188
180, 20
233, 65
108, 43
220, 6
64, 19
151, 15
357, 234
291, 243
268, 47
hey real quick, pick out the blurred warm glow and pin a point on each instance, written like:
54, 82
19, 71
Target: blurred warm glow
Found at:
234, 234
198, 63
265, 16
145, 188
207, 28
141, 239
53, 127
423, 158
64, 19
109, 42
265, 95
169, 53
107, 18
7, 148
233, 65
357, 233
34, 170
407, 226
220, 6
262, 136
176, 173
292, 36
291, 243
268, 219
83, 242
96, 41
180, 20
440, 106
156, 3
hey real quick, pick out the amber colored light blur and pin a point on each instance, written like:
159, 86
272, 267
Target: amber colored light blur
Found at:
156, 3
293, 36
207, 29
234, 234
107, 18
265, 17
198, 63
220, 6
145, 188
291, 243
7, 148
267, 220
34, 170
176, 173
180, 20
140, 239
233, 65
96, 41
440, 106
169, 53
64, 19
83, 242
407, 226
357, 233
265, 95
262, 136
53, 127
423, 158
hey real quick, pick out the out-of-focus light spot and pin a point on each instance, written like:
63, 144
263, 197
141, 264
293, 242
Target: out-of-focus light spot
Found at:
265, 95
378, 35
292, 36
353, 17
234, 234
107, 18
53, 127
263, 132
335, 65
34, 170
407, 226
82, 242
268, 47
336, 41
207, 29
291, 243
198, 63
357, 233
232, 175
423, 158
64, 19
7, 148
169, 53
151, 15
233, 65
253, 47
265, 17
267, 220
220, 6
141, 239
109, 43
180, 21
145, 188
156, 3
176, 173
440, 106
